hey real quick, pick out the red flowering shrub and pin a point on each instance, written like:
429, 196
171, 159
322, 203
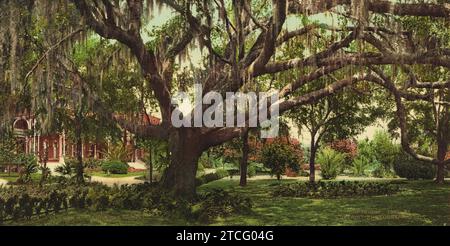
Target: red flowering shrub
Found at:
282, 149
347, 147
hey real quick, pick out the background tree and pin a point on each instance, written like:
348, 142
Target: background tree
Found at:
336, 117
280, 155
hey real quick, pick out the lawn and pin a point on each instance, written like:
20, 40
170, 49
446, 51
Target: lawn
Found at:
36, 177
105, 175
419, 203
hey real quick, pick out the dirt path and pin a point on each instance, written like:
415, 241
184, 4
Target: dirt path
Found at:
3, 182
262, 177
118, 181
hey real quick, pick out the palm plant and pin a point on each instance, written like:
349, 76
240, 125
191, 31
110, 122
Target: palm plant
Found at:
29, 166
331, 162
67, 169
117, 153
360, 164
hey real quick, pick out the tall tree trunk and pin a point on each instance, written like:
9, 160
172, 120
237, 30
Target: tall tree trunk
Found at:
442, 141
185, 146
79, 140
150, 164
312, 159
244, 160
442, 151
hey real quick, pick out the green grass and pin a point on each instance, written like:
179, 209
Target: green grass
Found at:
35, 177
418, 203
104, 218
105, 175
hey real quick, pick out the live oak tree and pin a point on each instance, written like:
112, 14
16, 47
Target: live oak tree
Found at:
240, 39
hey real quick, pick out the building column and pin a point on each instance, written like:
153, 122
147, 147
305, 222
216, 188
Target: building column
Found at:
95, 151
38, 144
64, 144
34, 137
60, 148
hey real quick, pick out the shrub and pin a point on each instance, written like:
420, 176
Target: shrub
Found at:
23, 202
407, 167
29, 166
347, 147
220, 203
207, 178
67, 169
97, 198
92, 163
117, 153
359, 165
205, 162
384, 150
251, 171
333, 189
259, 168
278, 155
115, 167
331, 163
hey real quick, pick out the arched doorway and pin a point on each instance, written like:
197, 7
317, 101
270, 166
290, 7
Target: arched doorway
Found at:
20, 130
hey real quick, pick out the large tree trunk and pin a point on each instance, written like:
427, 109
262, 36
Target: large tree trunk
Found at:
312, 160
244, 160
185, 146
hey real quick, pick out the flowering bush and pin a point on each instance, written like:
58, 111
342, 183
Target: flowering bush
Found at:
279, 155
347, 147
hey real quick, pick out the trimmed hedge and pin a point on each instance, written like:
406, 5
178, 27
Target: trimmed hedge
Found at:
115, 167
334, 189
25, 202
210, 177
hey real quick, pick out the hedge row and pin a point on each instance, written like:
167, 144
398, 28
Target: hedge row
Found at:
333, 189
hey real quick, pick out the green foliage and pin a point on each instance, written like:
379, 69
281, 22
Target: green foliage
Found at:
335, 189
7, 149
376, 156
220, 203
331, 162
157, 153
278, 156
97, 198
204, 179
92, 163
251, 171
115, 167
67, 168
24, 202
259, 168
205, 161
385, 151
29, 165
407, 167
117, 153
359, 165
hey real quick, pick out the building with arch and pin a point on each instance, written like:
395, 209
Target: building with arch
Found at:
59, 147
